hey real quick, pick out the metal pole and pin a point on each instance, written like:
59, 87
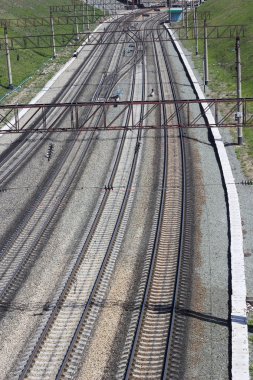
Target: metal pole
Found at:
186, 23
169, 6
205, 54
183, 16
8, 58
53, 34
76, 23
83, 17
93, 11
104, 112
88, 21
239, 91
204, 74
196, 30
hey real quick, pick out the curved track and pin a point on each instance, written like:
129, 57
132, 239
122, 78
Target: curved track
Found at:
152, 330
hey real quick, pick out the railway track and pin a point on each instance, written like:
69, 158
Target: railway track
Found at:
20, 248
68, 323
154, 341
147, 350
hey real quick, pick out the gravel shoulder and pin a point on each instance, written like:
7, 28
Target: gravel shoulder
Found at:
207, 351
245, 192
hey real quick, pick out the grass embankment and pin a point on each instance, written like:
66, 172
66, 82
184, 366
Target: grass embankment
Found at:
222, 58
25, 63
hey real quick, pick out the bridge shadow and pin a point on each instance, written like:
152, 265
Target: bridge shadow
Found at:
167, 309
197, 140
204, 317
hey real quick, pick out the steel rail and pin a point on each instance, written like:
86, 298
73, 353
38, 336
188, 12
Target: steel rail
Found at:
86, 244
32, 211
102, 270
172, 332
131, 360
154, 250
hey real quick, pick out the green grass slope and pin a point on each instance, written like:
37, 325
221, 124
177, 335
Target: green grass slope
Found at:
221, 52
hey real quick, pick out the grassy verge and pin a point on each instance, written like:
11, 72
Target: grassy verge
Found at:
221, 53
27, 63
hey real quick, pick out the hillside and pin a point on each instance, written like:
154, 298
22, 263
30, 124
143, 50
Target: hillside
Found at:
221, 51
